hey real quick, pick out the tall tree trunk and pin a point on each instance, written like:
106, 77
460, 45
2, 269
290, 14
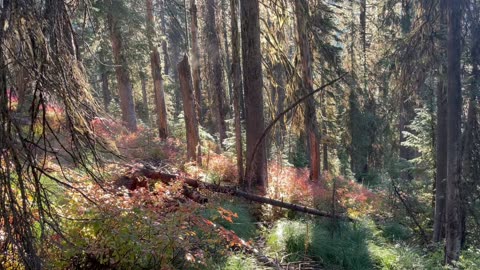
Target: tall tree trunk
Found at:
143, 81
166, 59
196, 60
156, 75
311, 125
178, 94
191, 121
280, 96
106, 94
324, 132
256, 170
470, 151
21, 86
441, 160
228, 62
441, 140
215, 72
237, 87
125, 91
454, 118
363, 34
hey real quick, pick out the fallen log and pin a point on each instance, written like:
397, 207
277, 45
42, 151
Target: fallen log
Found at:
138, 179
194, 183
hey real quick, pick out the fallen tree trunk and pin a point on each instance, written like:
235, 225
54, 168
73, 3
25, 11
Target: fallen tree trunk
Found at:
168, 178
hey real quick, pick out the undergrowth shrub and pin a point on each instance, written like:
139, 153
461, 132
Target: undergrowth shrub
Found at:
238, 262
232, 215
293, 185
219, 168
142, 231
396, 232
141, 144
337, 247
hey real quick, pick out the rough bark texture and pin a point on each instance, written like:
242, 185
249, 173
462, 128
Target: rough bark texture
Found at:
125, 92
156, 68
228, 62
237, 87
21, 84
166, 59
256, 173
196, 59
441, 161
311, 125
471, 154
363, 34
215, 72
441, 140
279, 101
454, 118
191, 122
143, 81
107, 95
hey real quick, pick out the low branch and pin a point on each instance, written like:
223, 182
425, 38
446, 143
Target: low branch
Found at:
280, 115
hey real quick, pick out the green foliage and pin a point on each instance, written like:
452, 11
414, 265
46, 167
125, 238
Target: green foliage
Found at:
357, 246
341, 248
421, 139
394, 231
139, 231
239, 262
470, 259
298, 158
243, 224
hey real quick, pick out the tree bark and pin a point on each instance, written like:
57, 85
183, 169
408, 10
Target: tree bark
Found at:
107, 95
256, 173
196, 60
191, 121
156, 68
21, 87
166, 59
311, 125
215, 72
228, 62
237, 87
441, 161
125, 91
280, 96
470, 165
143, 79
454, 118
441, 140
363, 34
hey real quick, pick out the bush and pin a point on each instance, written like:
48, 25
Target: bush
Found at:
239, 262
394, 232
142, 231
341, 248
232, 215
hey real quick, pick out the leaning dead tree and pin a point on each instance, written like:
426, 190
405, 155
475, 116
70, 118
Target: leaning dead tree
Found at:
39, 38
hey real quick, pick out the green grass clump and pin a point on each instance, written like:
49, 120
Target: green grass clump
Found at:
239, 262
395, 232
341, 248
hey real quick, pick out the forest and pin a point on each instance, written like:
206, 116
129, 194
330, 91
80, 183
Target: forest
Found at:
240, 134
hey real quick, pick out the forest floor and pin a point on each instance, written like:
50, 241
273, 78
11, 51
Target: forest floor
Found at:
134, 221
